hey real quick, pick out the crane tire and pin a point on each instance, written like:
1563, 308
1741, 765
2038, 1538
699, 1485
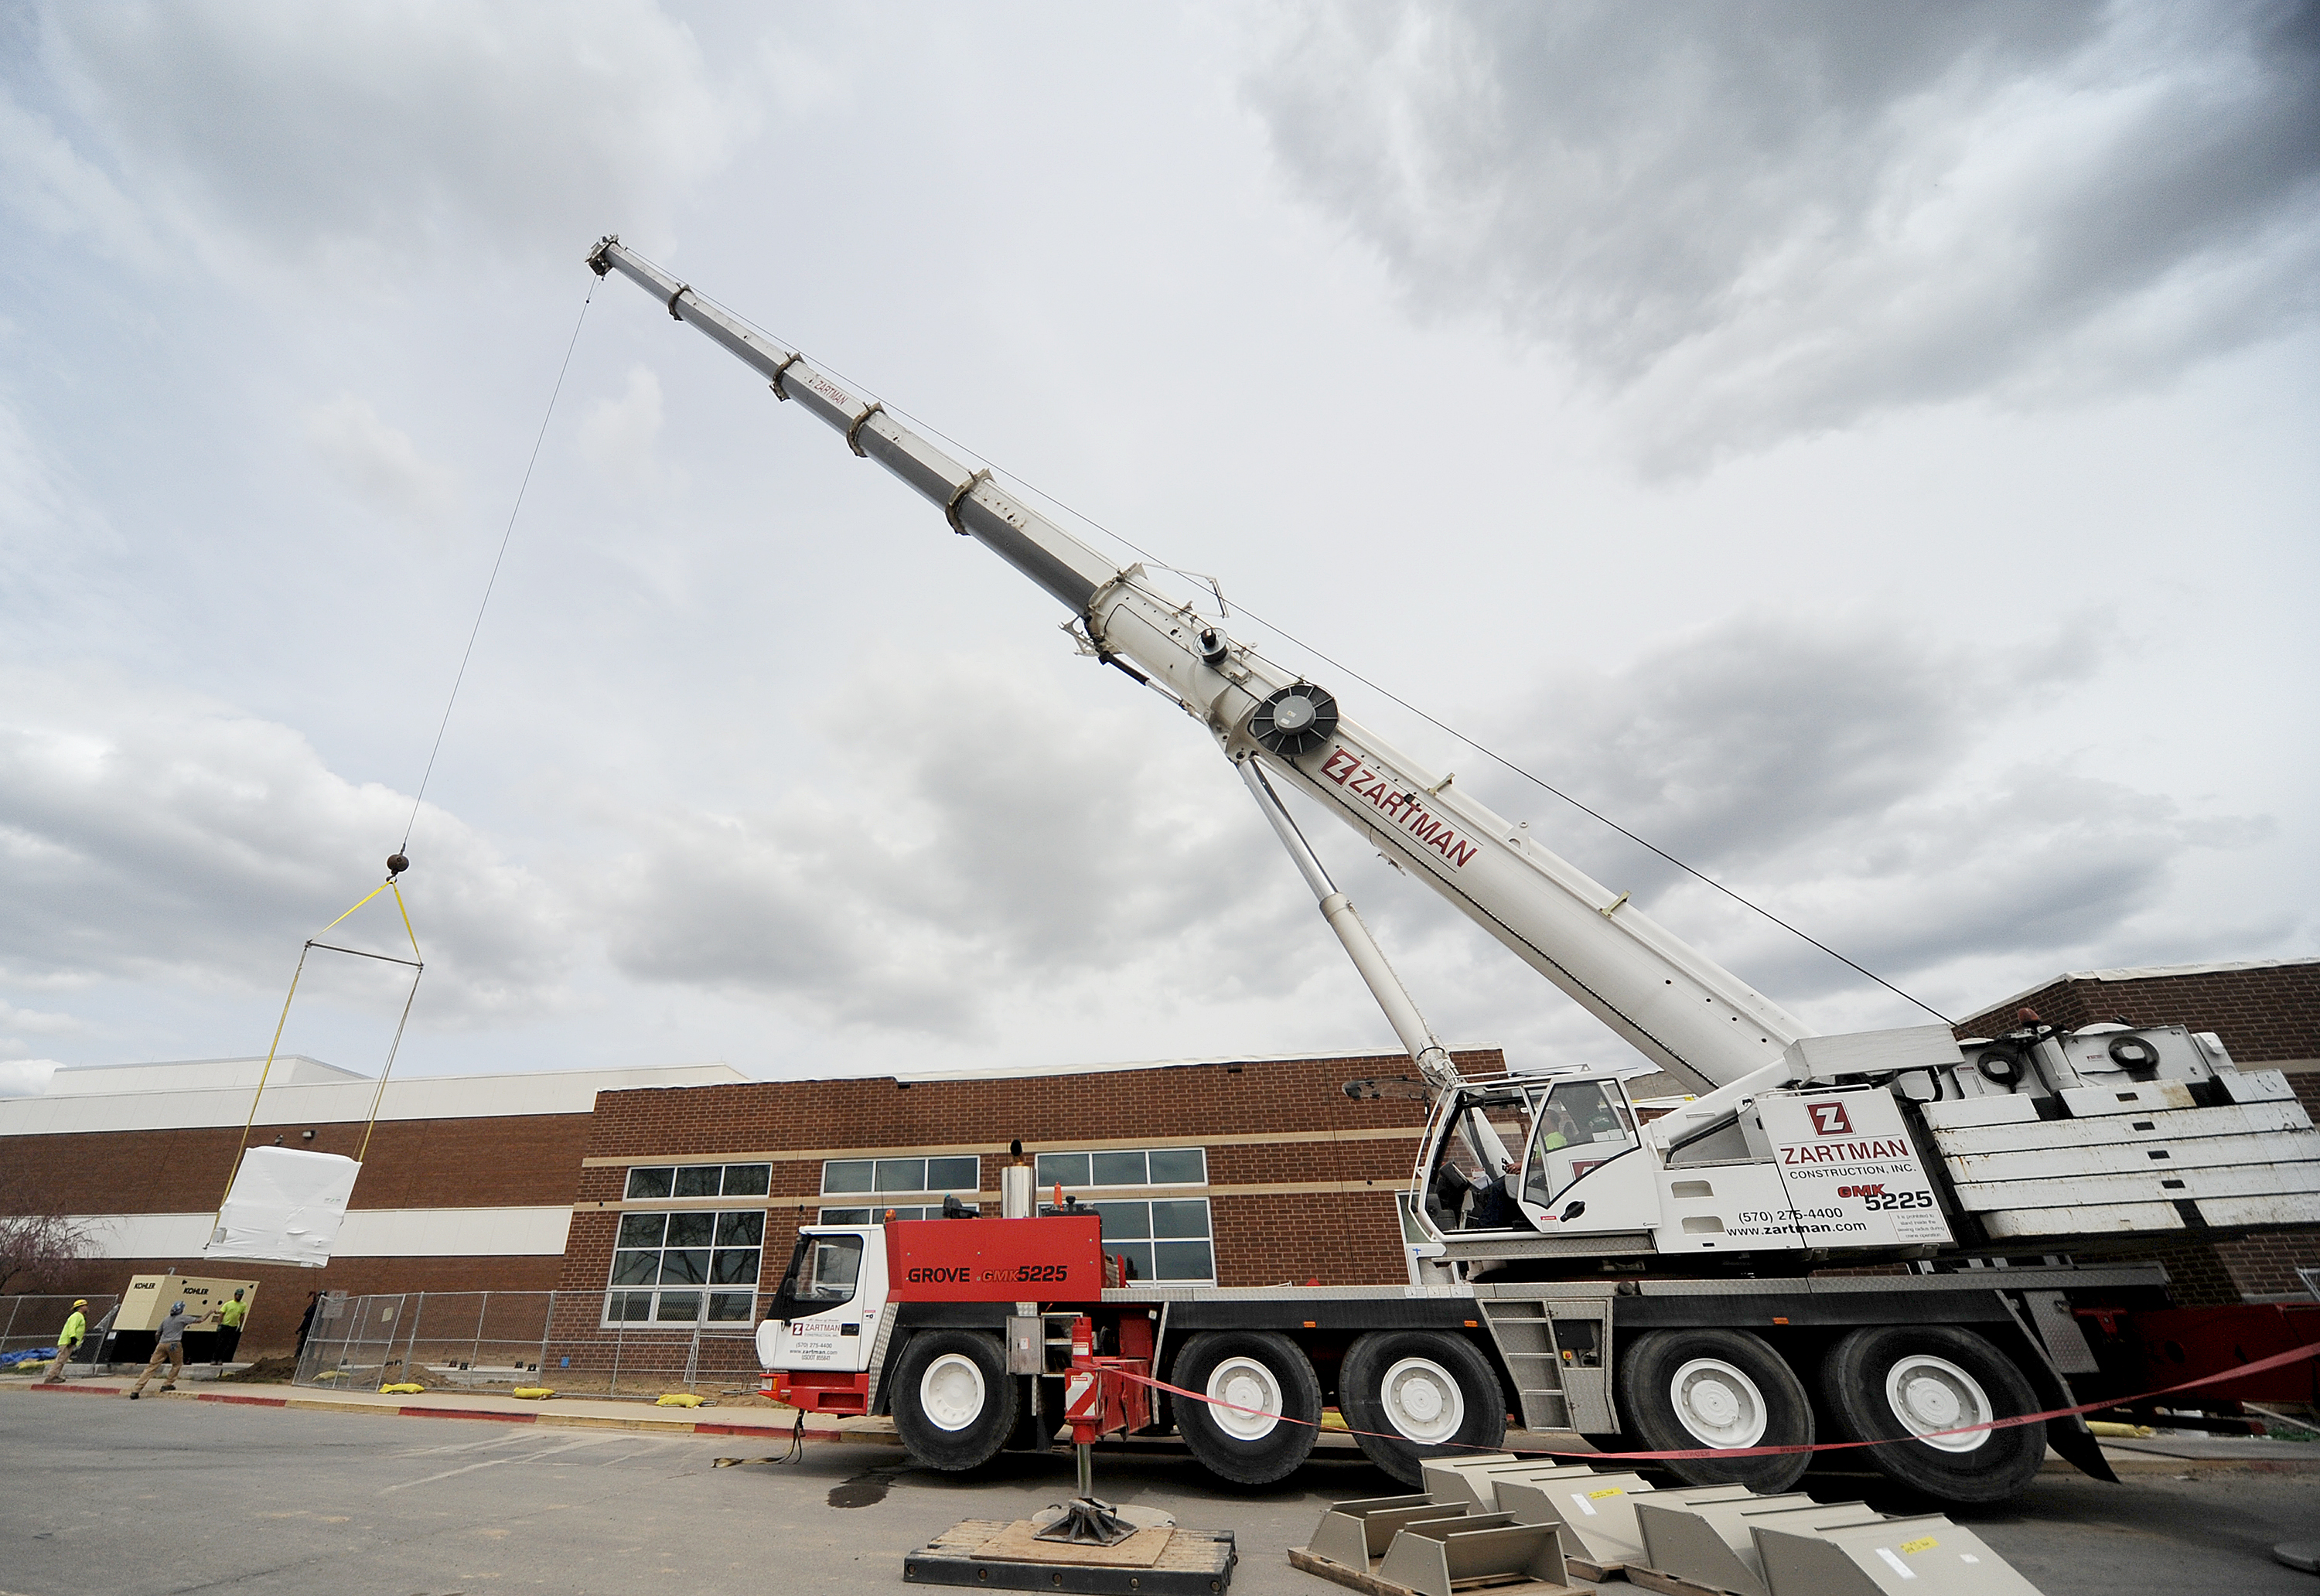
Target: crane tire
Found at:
1684, 1390
1411, 1395
1256, 1369
1883, 1382
955, 1403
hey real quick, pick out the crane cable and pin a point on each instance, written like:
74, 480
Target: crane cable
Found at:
1495, 758
400, 862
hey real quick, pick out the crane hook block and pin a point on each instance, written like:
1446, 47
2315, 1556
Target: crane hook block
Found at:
396, 863
1293, 720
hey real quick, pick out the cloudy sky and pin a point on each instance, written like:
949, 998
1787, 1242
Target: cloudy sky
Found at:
1855, 448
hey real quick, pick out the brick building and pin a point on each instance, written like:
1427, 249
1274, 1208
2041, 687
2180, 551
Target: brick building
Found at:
654, 1212
1229, 1171
467, 1184
2268, 1013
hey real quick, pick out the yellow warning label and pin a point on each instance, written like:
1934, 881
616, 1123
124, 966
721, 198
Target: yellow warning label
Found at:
1600, 1495
1921, 1544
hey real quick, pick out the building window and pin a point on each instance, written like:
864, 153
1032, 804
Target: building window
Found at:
913, 1177
1166, 1239
699, 1180
1160, 1167
686, 1268
877, 1216
1159, 1238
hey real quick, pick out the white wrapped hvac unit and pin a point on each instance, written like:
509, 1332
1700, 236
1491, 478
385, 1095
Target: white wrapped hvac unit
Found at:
285, 1206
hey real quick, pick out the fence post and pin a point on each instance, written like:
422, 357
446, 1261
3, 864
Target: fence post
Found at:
410, 1343
15, 1305
546, 1329
620, 1343
693, 1355
482, 1311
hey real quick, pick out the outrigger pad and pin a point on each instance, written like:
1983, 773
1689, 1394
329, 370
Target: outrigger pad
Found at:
285, 1206
1084, 1521
1154, 1561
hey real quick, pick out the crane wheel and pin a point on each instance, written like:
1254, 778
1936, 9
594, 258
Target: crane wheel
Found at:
1419, 1394
1275, 1412
1884, 1382
1684, 1390
955, 1403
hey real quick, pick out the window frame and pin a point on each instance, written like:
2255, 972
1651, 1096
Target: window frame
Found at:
650, 1298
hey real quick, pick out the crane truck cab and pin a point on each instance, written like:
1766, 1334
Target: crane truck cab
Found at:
1519, 1171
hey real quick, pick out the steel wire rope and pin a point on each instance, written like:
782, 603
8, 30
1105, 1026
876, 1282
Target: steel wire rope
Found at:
491, 582
1094, 525
418, 960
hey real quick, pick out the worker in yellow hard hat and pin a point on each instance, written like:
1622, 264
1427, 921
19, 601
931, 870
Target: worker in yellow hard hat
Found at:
69, 1340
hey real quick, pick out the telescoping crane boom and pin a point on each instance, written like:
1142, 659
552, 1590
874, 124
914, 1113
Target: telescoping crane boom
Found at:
1573, 1259
1529, 1172
1695, 1019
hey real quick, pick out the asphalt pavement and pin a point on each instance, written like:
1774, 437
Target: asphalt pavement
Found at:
102, 1495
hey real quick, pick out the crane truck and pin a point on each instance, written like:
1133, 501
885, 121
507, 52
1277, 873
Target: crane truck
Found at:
1875, 1237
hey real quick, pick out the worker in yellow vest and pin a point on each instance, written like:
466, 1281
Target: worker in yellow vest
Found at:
229, 1335
69, 1340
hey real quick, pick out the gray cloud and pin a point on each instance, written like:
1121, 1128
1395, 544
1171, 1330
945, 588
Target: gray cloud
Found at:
972, 846
1872, 789
366, 132
148, 834
1756, 220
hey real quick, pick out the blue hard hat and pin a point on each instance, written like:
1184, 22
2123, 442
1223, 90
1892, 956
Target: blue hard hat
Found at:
176, 1307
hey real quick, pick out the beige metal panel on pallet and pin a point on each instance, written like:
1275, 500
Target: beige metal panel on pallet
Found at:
1706, 1543
1356, 1534
1473, 1483
2233, 1120
1448, 1556
1921, 1556
1598, 1514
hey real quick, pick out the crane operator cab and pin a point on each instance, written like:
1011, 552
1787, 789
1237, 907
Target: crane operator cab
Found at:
1517, 1155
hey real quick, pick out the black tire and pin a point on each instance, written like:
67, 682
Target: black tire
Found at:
1235, 1446
1859, 1379
954, 1402
1419, 1394
1768, 1407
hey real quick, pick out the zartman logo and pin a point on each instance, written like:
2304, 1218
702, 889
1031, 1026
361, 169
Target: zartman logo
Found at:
1829, 1118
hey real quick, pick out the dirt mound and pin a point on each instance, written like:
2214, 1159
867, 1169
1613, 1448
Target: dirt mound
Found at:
277, 1370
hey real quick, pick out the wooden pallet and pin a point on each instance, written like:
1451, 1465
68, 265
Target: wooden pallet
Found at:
1668, 1584
1369, 1584
1593, 1573
993, 1554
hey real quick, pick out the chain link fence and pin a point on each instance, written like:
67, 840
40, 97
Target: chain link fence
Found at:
31, 1321
499, 1341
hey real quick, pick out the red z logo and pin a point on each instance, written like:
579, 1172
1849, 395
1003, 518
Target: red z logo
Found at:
1829, 1118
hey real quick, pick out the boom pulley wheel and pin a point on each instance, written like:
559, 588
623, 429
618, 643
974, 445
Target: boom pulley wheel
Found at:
1294, 719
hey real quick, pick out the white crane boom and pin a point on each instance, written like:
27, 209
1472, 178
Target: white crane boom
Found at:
1692, 1018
